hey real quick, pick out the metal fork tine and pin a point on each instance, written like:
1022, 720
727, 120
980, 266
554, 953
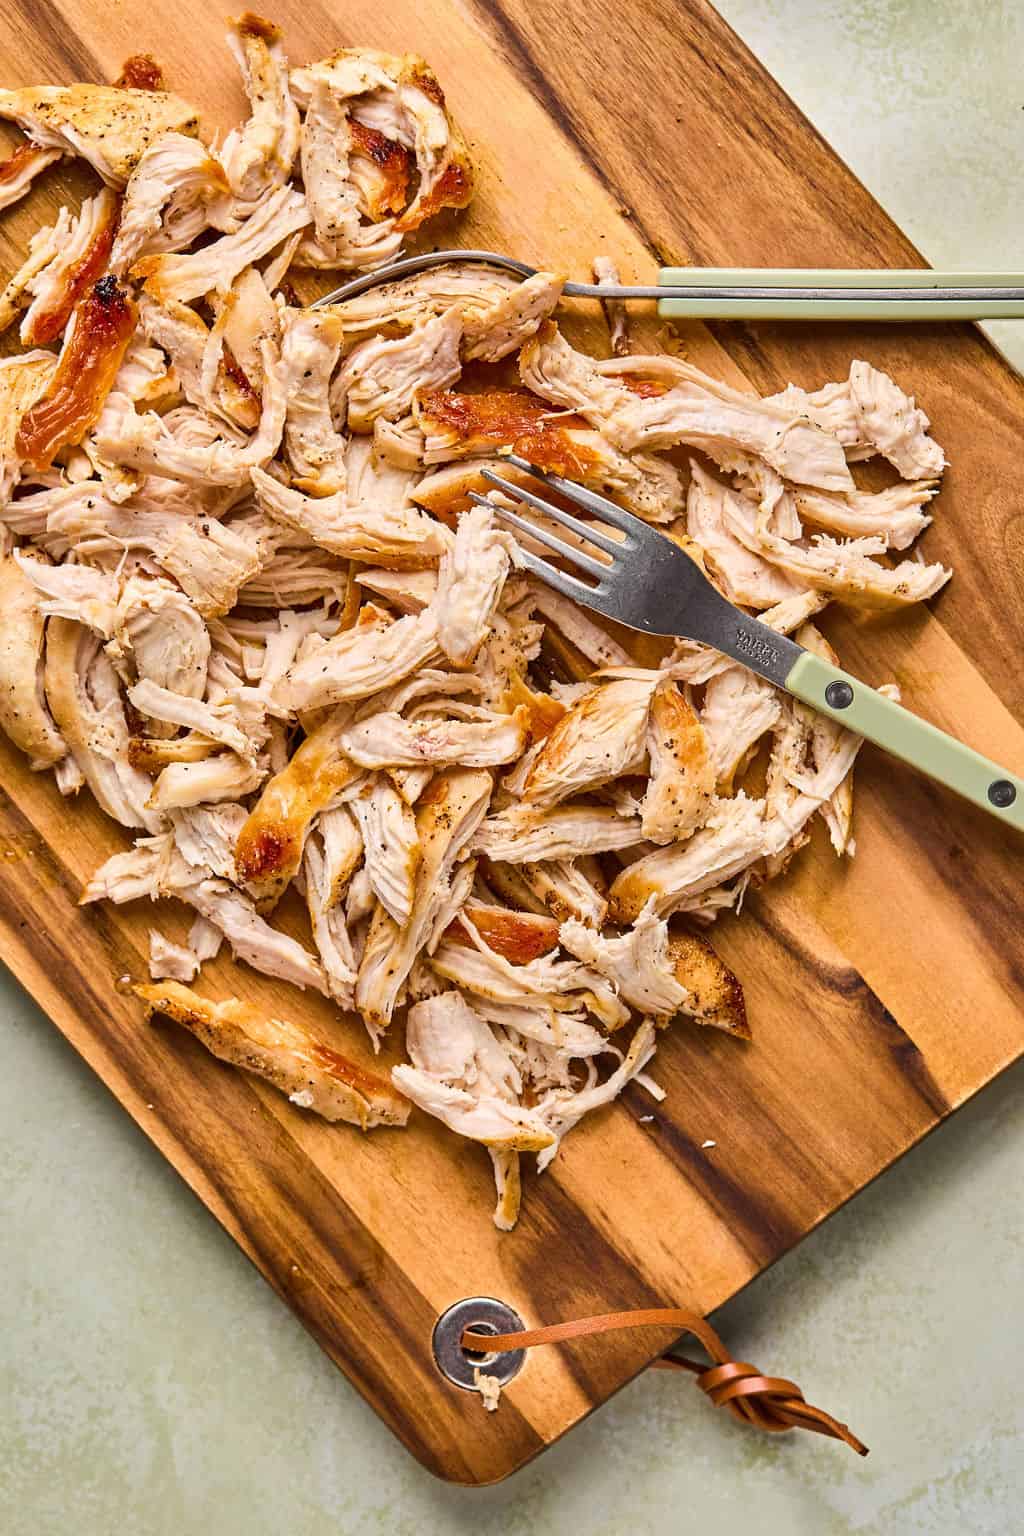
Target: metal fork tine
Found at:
567, 585
600, 506
575, 556
520, 493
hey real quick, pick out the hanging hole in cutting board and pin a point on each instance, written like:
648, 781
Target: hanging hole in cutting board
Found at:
483, 1314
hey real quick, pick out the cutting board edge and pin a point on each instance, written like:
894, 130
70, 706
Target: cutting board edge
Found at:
18, 959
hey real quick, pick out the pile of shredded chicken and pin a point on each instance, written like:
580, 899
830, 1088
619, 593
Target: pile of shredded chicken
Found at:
248, 604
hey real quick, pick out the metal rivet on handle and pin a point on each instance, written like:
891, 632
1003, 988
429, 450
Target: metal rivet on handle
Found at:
1002, 793
838, 695
484, 1315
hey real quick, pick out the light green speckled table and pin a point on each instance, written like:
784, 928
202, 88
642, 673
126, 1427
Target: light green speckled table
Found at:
150, 1383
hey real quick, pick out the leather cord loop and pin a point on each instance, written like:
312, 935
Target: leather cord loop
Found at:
769, 1403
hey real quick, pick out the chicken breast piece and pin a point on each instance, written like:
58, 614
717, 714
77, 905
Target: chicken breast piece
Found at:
831, 408
169, 961
379, 170
20, 169
472, 286
894, 515
546, 983
23, 380
79, 261
390, 845
205, 781
186, 277
732, 838
205, 836
259, 156
402, 537
382, 377
108, 127
601, 738
681, 789
492, 331
209, 560
563, 1108
316, 452
714, 994
24, 715
461, 1074
606, 274
812, 758
559, 886
359, 662
739, 709
334, 190
183, 334
469, 584
386, 740
447, 815
455, 425
893, 425
399, 97
637, 963
696, 411
84, 697
221, 722
330, 854
837, 810
312, 1074
523, 834
844, 571
69, 591
176, 173
249, 936
42, 248
146, 442
518, 936
165, 636
742, 574
270, 845
250, 317
97, 335
138, 874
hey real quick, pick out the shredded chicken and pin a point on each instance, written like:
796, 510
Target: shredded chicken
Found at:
312, 1074
108, 127
20, 169
315, 451
24, 714
176, 173
382, 378
259, 156
253, 610
75, 266
186, 277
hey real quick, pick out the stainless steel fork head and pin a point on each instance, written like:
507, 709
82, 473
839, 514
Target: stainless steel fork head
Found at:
644, 581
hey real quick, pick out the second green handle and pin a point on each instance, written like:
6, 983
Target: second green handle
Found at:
852, 703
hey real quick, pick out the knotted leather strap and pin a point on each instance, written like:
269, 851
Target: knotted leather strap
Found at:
767, 1402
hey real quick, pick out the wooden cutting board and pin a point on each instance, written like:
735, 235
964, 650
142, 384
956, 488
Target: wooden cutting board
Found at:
882, 991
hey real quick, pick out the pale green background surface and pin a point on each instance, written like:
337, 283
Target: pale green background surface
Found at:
151, 1384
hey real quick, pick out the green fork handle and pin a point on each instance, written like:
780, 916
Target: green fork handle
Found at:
746, 293
852, 703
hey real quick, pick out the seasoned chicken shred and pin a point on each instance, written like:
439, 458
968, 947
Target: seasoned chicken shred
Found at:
253, 611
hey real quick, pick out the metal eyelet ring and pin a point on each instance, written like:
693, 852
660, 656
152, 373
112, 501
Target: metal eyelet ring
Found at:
484, 1315
1002, 793
838, 695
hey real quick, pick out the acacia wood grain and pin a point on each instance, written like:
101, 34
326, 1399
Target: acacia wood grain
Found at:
882, 991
